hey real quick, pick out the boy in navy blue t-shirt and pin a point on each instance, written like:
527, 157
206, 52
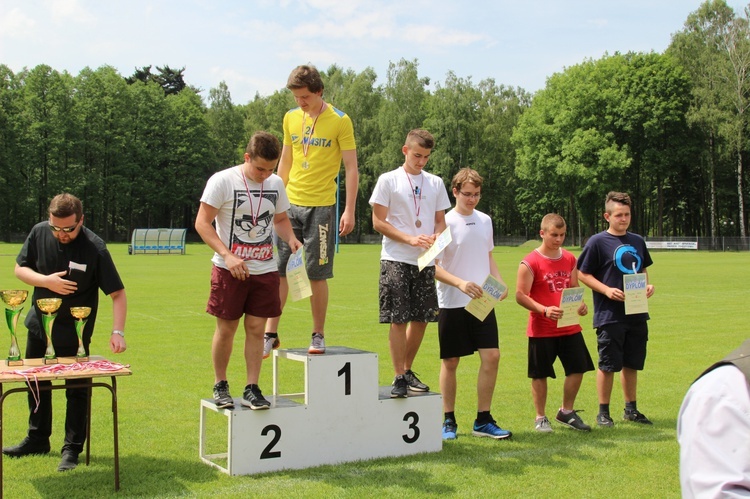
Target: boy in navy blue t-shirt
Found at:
621, 338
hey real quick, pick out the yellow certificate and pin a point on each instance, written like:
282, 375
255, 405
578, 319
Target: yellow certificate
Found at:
492, 291
570, 301
443, 240
296, 276
635, 293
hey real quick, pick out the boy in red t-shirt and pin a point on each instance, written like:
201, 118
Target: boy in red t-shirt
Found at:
542, 276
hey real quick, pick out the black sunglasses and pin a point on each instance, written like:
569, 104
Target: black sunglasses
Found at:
55, 228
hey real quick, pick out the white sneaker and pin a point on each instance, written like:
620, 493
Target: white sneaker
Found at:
318, 344
270, 343
542, 425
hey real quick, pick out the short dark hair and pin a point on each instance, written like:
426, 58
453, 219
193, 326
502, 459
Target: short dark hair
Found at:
65, 204
264, 145
466, 176
422, 138
616, 197
305, 76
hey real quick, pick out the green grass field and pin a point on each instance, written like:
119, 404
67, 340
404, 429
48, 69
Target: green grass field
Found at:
697, 317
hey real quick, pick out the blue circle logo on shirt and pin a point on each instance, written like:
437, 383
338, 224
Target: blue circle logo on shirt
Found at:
625, 257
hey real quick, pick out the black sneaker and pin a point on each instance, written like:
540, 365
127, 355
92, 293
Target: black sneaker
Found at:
26, 448
413, 383
399, 387
69, 461
572, 420
635, 417
603, 419
222, 398
254, 399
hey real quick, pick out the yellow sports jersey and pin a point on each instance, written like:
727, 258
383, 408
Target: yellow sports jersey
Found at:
312, 178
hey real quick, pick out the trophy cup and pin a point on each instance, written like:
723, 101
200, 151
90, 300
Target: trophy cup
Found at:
14, 298
49, 307
81, 314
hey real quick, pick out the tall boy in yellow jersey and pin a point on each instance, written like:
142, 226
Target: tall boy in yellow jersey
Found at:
317, 137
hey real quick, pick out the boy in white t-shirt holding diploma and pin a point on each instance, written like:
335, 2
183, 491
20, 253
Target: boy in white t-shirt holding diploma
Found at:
463, 268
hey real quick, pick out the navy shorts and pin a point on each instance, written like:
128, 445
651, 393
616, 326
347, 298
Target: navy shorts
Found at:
258, 295
570, 349
462, 334
622, 344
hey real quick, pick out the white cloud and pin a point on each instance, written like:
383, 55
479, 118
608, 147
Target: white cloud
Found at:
598, 23
437, 35
16, 24
67, 11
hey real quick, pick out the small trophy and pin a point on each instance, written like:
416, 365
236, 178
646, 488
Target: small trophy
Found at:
80, 313
49, 307
14, 298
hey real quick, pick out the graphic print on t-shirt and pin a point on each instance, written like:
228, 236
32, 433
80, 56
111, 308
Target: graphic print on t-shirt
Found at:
627, 259
557, 280
251, 235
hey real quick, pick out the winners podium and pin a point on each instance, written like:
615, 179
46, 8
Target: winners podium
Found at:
345, 416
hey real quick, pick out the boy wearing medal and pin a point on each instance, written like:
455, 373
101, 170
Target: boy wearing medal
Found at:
247, 202
408, 208
317, 137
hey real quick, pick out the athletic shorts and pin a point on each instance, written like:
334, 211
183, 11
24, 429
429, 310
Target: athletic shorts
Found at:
406, 294
570, 349
258, 295
462, 334
314, 227
622, 344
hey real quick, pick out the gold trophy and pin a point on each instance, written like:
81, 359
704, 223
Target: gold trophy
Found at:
49, 307
14, 298
80, 313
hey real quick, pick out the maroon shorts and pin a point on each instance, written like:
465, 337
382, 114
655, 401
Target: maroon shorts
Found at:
258, 295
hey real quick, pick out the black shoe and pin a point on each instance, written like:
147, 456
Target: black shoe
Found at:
399, 387
635, 417
603, 419
413, 383
222, 398
69, 461
26, 448
572, 420
254, 399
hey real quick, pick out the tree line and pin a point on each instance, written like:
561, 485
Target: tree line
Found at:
671, 129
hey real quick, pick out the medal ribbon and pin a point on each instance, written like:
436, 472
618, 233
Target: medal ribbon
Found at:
306, 144
417, 207
250, 198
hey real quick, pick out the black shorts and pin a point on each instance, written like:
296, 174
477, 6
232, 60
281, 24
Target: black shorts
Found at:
406, 294
622, 344
571, 349
462, 334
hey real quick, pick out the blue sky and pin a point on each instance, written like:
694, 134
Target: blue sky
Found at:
252, 45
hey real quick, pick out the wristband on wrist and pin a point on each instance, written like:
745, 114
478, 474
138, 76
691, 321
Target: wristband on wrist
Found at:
118, 332
545, 312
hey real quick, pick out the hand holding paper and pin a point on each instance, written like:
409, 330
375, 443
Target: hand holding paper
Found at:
296, 275
571, 303
441, 242
492, 291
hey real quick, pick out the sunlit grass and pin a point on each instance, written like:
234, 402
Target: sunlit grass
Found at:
696, 318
